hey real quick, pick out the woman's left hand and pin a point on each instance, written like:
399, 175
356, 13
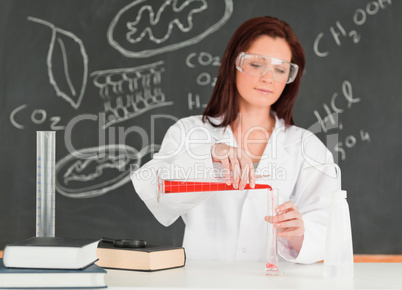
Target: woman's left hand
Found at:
289, 222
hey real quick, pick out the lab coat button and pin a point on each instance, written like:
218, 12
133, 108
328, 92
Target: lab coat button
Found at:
244, 250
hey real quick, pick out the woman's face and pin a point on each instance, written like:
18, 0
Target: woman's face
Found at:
262, 92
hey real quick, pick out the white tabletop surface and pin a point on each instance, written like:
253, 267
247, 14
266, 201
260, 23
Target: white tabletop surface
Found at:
250, 275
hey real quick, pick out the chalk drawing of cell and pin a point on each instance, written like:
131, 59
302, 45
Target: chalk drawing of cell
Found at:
146, 28
130, 92
95, 171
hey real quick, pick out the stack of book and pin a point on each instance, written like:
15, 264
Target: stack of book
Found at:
140, 258
42, 262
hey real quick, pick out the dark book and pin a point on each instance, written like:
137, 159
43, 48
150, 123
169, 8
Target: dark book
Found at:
149, 258
92, 276
51, 253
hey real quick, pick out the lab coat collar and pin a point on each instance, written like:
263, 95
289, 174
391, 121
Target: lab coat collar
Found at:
221, 134
275, 151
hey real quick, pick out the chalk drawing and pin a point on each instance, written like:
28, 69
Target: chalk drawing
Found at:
142, 21
340, 34
95, 171
129, 92
61, 81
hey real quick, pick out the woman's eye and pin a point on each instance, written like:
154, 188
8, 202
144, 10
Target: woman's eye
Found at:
280, 70
255, 65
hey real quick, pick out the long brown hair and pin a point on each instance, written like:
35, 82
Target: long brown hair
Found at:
224, 102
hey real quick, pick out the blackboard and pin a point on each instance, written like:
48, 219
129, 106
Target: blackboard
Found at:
93, 72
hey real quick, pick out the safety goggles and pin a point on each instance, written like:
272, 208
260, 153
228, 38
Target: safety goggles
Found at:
256, 65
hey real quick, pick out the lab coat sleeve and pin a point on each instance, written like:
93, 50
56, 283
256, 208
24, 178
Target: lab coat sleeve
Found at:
183, 154
312, 196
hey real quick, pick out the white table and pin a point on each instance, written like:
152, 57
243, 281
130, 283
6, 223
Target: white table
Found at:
249, 275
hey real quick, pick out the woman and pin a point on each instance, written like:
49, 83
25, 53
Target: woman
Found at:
247, 130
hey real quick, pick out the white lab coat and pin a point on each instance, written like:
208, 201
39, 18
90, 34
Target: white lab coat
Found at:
230, 225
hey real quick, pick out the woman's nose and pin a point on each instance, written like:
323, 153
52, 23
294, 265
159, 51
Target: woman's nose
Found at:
268, 76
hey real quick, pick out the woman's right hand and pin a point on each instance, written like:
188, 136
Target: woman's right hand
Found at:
236, 162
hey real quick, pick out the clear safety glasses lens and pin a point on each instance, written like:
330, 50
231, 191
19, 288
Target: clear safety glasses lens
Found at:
258, 65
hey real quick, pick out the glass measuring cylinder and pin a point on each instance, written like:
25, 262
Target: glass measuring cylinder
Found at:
271, 265
166, 186
45, 185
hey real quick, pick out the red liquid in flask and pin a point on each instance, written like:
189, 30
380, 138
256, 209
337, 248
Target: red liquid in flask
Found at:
176, 186
271, 266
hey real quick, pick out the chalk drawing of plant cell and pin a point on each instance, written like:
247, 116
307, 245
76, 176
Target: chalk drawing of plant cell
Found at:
66, 51
95, 171
129, 92
146, 27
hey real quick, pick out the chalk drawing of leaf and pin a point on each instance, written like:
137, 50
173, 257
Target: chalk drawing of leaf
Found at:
66, 51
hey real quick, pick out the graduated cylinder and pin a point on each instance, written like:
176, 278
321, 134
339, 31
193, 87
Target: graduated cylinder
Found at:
45, 184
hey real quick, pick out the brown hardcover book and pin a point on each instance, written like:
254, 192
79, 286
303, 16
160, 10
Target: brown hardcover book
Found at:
150, 258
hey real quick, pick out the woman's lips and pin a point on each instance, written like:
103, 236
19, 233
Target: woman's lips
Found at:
264, 91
